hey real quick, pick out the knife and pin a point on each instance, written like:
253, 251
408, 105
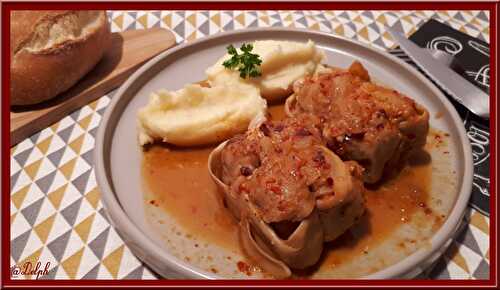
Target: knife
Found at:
454, 84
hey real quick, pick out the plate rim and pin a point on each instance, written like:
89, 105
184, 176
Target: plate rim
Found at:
129, 231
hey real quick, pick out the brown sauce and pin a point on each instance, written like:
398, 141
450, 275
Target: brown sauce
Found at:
179, 181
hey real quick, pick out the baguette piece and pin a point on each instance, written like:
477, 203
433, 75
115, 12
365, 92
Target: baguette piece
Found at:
51, 50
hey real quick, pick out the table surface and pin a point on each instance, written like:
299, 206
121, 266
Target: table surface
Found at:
56, 212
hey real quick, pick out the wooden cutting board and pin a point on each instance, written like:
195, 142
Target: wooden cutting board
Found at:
128, 51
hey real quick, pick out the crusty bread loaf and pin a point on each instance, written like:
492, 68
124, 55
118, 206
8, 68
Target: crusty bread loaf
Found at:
52, 50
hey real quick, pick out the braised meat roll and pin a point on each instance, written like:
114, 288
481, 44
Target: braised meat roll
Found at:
289, 192
373, 125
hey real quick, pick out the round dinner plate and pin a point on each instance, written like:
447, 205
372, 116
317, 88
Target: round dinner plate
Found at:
118, 155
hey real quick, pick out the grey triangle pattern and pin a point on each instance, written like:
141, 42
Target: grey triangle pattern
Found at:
58, 246
55, 157
254, 23
51, 275
74, 115
459, 17
466, 238
92, 274
34, 137
17, 245
276, 16
104, 214
368, 14
374, 26
133, 14
379, 42
204, 28
481, 15
71, 211
13, 179
157, 14
65, 133
23, 156
351, 26
321, 16
229, 26
135, 274
480, 36
30, 212
131, 26
81, 181
344, 15
482, 271
302, 21
439, 271
179, 29
88, 157
180, 13
98, 244
327, 24
45, 182
93, 132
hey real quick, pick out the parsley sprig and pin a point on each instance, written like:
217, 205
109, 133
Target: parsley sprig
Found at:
247, 63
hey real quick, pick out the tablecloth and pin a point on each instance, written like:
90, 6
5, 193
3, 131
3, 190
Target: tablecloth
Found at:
55, 209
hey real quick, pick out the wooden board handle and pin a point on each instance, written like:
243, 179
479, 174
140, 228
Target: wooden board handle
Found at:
129, 50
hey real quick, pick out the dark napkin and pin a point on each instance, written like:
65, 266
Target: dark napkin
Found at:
473, 56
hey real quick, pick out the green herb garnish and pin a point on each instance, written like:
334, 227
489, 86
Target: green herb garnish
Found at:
247, 63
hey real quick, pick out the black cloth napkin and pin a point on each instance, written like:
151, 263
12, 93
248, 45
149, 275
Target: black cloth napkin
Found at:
473, 55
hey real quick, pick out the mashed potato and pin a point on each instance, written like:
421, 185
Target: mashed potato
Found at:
283, 62
197, 115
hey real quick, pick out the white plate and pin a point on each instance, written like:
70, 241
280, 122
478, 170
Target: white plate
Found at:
118, 155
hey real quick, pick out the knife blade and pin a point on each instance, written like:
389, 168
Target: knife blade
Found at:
454, 84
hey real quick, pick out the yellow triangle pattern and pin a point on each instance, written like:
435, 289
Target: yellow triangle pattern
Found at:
241, 19
119, 21
339, 30
12, 150
71, 264
67, 168
44, 145
112, 261
84, 123
18, 197
192, 19
143, 20
12, 218
216, 19
76, 144
93, 104
32, 169
56, 196
54, 127
93, 197
33, 259
167, 20
479, 222
454, 254
43, 229
83, 228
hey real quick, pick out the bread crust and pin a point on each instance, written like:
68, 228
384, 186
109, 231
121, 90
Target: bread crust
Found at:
39, 73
